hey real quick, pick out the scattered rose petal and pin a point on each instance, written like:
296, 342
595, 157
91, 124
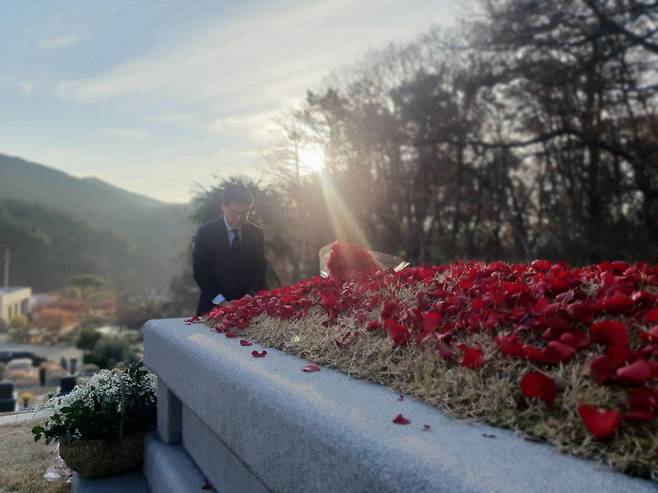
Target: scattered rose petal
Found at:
244, 342
599, 421
401, 398
557, 352
617, 303
426, 427
398, 332
230, 334
536, 384
600, 369
618, 355
609, 333
311, 368
431, 322
651, 335
576, 339
638, 372
510, 345
260, 354
472, 358
401, 420
652, 315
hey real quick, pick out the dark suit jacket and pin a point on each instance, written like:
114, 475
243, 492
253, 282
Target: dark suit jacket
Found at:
218, 270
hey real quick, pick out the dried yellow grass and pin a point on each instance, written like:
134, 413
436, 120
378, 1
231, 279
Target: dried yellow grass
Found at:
490, 394
23, 462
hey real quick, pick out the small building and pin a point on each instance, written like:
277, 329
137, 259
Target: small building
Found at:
14, 302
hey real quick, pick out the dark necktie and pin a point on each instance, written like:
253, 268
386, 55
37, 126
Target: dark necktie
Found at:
235, 244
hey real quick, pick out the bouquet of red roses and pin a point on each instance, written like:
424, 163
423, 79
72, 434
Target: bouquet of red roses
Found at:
341, 259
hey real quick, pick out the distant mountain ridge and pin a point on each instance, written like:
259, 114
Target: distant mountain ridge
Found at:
158, 232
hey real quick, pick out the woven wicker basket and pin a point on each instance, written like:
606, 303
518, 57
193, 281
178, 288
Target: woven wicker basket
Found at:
98, 458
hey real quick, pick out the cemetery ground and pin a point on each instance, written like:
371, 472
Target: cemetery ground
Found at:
24, 461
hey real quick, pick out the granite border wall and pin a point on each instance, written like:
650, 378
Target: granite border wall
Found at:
264, 425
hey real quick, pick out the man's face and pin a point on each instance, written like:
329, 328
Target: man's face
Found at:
236, 214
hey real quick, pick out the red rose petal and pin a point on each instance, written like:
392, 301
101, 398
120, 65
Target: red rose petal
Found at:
643, 298
401, 398
651, 335
510, 345
401, 420
642, 403
618, 355
230, 334
638, 372
536, 384
472, 358
652, 315
575, 339
617, 303
600, 369
311, 368
244, 342
257, 354
599, 421
557, 352
398, 332
431, 322
609, 333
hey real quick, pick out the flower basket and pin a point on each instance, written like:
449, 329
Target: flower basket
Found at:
99, 458
100, 425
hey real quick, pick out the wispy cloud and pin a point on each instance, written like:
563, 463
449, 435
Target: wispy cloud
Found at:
26, 87
60, 42
244, 70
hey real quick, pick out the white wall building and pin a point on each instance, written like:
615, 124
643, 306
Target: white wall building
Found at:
13, 302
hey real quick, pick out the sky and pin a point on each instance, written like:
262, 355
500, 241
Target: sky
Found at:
156, 96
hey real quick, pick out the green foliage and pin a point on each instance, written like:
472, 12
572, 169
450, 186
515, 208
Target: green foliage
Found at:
109, 351
206, 202
49, 248
87, 339
87, 282
111, 404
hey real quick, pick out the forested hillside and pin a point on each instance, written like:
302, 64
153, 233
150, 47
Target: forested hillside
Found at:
62, 225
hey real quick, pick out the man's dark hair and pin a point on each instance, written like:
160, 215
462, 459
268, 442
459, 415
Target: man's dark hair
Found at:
234, 193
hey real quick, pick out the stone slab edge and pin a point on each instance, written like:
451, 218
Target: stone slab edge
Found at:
169, 469
129, 482
327, 432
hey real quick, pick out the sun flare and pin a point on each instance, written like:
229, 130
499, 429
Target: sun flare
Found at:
311, 159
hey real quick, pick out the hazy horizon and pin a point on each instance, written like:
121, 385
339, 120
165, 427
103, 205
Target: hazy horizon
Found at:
155, 97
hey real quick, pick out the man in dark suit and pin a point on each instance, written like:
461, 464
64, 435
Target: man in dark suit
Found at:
228, 256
